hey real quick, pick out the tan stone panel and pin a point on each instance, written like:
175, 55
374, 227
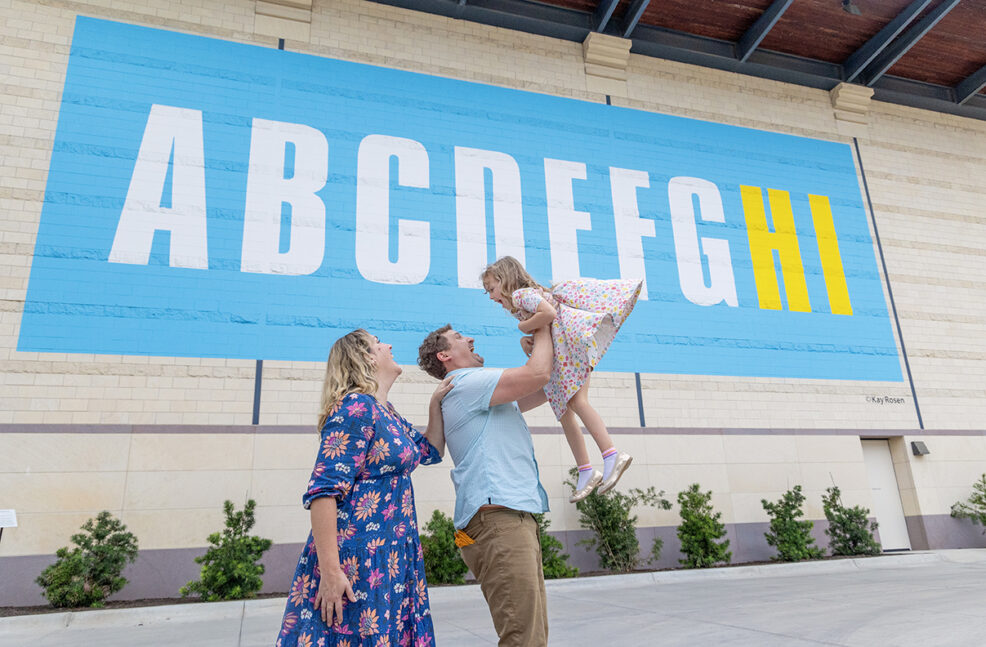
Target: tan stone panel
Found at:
42, 533
285, 451
283, 524
762, 477
55, 452
434, 481
191, 452
760, 449
166, 490
551, 449
847, 476
677, 478
828, 449
279, 487
175, 528
671, 449
64, 492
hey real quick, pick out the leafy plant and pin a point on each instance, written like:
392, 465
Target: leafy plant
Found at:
553, 561
850, 531
788, 534
229, 568
701, 530
90, 572
443, 563
975, 507
614, 529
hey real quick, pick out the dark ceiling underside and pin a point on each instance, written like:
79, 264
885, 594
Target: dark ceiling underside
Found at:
927, 54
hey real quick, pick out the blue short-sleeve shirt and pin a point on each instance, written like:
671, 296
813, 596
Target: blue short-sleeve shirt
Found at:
491, 448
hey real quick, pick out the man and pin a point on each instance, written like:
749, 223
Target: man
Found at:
497, 489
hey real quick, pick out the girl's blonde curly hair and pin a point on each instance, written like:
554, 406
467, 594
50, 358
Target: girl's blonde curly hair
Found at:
512, 276
349, 369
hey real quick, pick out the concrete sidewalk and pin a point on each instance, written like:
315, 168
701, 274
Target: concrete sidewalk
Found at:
932, 598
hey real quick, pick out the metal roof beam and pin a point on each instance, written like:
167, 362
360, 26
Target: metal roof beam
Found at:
970, 86
634, 13
603, 13
751, 39
872, 48
893, 52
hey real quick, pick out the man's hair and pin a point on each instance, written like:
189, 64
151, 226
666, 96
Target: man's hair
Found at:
433, 344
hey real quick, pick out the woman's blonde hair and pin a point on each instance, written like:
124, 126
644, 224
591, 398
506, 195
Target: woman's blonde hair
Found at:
512, 276
350, 369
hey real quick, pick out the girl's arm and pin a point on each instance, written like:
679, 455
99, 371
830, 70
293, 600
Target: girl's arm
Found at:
543, 316
334, 583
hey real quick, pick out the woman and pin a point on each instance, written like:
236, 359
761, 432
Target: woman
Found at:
361, 576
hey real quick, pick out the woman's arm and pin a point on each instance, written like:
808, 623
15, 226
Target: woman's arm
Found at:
435, 432
543, 316
334, 582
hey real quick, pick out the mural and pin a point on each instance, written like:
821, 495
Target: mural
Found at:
213, 199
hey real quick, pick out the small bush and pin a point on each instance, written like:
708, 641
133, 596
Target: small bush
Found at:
975, 507
553, 561
850, 531
90, 572
443, 563
229, 568
788, 534
614, 529
700, 530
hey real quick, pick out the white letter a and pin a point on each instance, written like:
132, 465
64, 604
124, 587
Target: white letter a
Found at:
167, 128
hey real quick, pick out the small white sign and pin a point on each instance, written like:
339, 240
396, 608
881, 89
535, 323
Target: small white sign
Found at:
8, 519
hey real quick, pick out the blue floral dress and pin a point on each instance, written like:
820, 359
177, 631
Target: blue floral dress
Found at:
365, 460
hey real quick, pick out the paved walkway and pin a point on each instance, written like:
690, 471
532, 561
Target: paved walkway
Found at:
934, 598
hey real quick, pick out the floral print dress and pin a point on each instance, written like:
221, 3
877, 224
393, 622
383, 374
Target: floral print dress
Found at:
365, 460
589, 312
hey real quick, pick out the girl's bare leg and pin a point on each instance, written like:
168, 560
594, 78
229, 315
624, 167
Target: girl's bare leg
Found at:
590, 418
573, 434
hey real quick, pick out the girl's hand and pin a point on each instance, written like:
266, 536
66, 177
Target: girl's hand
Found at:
527, 343
442, 390
328, 598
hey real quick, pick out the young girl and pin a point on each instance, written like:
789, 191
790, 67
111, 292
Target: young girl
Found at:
584, 316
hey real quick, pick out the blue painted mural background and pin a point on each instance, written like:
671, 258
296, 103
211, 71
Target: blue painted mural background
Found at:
78, 302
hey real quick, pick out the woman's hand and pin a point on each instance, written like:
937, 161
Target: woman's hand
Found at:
328, 598
441, 390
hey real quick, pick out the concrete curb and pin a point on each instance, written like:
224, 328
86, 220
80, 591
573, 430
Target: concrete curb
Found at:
226, 611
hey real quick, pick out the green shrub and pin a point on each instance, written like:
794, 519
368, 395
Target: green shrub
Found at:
788, 534
700, 530
229, 568
975, 507
614, 529
443, 563
554, 562
850, 531
90, 572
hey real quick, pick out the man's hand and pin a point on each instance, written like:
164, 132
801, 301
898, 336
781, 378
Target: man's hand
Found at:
527, 343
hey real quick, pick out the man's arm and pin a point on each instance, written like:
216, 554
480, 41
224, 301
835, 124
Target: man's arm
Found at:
535, 399
515, 383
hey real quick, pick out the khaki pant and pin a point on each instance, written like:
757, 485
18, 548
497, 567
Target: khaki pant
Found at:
506, 560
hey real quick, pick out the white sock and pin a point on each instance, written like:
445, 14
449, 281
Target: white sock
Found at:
609, 461
585, 473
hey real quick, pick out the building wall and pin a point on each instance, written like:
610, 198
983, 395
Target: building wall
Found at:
162, 441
